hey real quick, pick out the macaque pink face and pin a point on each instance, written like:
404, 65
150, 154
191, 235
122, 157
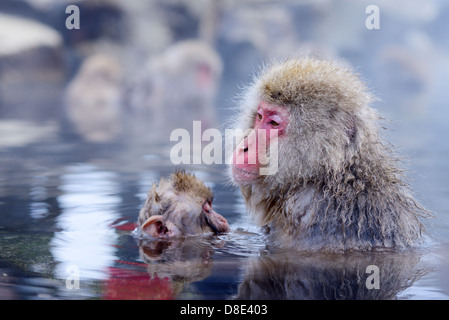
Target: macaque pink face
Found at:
185, 223
247, 155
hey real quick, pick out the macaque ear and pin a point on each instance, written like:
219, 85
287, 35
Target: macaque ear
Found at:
154, 226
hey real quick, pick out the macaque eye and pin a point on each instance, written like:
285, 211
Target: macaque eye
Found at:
274, 123
259, 116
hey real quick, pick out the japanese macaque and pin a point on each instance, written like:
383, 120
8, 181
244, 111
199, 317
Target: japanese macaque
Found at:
93, 99
180, 206
179, 85
336, 186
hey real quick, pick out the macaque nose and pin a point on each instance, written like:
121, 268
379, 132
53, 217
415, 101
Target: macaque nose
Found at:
246, 151
245, 147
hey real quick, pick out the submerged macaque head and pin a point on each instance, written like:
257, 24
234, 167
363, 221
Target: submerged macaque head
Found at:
180, 206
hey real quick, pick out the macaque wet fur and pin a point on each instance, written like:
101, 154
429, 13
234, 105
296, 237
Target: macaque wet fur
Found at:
337, 185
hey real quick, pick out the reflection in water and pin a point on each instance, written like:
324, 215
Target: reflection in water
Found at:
183, 261
168, 267
125, 284
86, 240
330, 276
38, 195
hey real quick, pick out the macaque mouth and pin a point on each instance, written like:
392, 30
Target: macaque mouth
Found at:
244, 171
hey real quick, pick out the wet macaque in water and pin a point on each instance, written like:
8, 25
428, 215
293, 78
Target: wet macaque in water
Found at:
179, 85
337, 186
180, 206
93, 99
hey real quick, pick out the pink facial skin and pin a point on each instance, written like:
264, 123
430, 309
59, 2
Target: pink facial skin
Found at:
245, 161
215, 220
